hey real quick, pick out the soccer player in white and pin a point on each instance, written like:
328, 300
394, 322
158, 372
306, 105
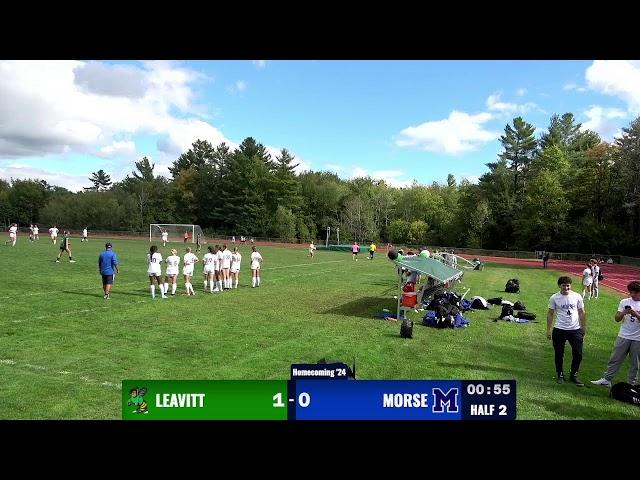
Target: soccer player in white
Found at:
173, 269
165, 238
31, 233
256, 261
187, 270
226, 265
154, 263
84, 235
209, 259
312, 248
53, 231
236, 258
587, 280
595, 273
219, 274
36, 236
13, 235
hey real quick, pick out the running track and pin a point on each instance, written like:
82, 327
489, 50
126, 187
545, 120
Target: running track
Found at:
616, 276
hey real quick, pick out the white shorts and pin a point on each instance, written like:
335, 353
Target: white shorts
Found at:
208, 270
154, 273
188, 271
12, 235
255, 265
587, 282
172, 273
226, 265
235, 269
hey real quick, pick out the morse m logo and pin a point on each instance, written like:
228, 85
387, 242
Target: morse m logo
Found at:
449, 399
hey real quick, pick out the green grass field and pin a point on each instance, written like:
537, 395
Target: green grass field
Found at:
64, 349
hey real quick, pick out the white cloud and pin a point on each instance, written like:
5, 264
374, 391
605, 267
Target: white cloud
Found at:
389, 176
260, 64
460, 132
472, 178
74, 183
303, 165
50, 107
601, 120
125, 147
238, 87
506, 108
521, 92
619, 78
573, 86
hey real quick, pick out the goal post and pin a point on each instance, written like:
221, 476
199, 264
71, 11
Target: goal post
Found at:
175, 232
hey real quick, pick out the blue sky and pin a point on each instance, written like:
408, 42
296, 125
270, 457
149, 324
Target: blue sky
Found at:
397, 120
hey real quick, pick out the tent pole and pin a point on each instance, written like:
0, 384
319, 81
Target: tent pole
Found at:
399, 293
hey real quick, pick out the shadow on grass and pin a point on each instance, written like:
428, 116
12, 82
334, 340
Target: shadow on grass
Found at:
100, 295
364, 307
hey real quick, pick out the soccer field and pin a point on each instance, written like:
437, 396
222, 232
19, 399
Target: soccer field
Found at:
64, 349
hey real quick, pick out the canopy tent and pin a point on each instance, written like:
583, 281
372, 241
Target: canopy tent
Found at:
440, 272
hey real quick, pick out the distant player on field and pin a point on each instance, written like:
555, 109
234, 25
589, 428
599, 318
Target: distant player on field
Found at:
187, 270
65, 246
154, 270
226, 266
312, 249
13, 235
31, 233
210, 259
256, 262
173, 269
85, 234
236, 259
165, 238
53, 231
36, 235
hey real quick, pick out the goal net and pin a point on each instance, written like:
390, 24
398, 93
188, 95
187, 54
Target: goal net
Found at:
175, 232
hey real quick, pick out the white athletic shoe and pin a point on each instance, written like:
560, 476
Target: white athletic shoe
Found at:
602, 381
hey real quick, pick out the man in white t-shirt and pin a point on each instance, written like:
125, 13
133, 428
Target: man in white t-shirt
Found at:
628, 340
571, 326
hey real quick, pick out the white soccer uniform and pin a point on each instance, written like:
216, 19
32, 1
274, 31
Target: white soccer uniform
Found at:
35, 230
154, 264
587, 279
226, 259
256, 260
13, 231
219, 264
312, 247
165, 237
236, 258
189, 260
53, 232
173, 262
84, 232
209, 262
595, 271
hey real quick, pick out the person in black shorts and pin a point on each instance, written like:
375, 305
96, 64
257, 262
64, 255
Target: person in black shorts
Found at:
65, 246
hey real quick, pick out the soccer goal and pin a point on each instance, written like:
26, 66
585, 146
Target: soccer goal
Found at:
175, 232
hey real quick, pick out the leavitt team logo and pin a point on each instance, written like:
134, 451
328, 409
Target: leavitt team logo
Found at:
136, 398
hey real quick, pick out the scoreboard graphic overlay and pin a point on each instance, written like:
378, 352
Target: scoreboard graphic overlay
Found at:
319, 392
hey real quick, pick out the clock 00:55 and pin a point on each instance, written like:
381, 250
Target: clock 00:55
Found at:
496, 389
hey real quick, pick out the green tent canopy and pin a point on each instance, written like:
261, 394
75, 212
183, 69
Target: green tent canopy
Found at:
433, 268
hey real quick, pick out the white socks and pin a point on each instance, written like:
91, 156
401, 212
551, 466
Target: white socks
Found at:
153, 291
173, 288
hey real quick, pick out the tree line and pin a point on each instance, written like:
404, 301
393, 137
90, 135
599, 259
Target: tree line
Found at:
564, 190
